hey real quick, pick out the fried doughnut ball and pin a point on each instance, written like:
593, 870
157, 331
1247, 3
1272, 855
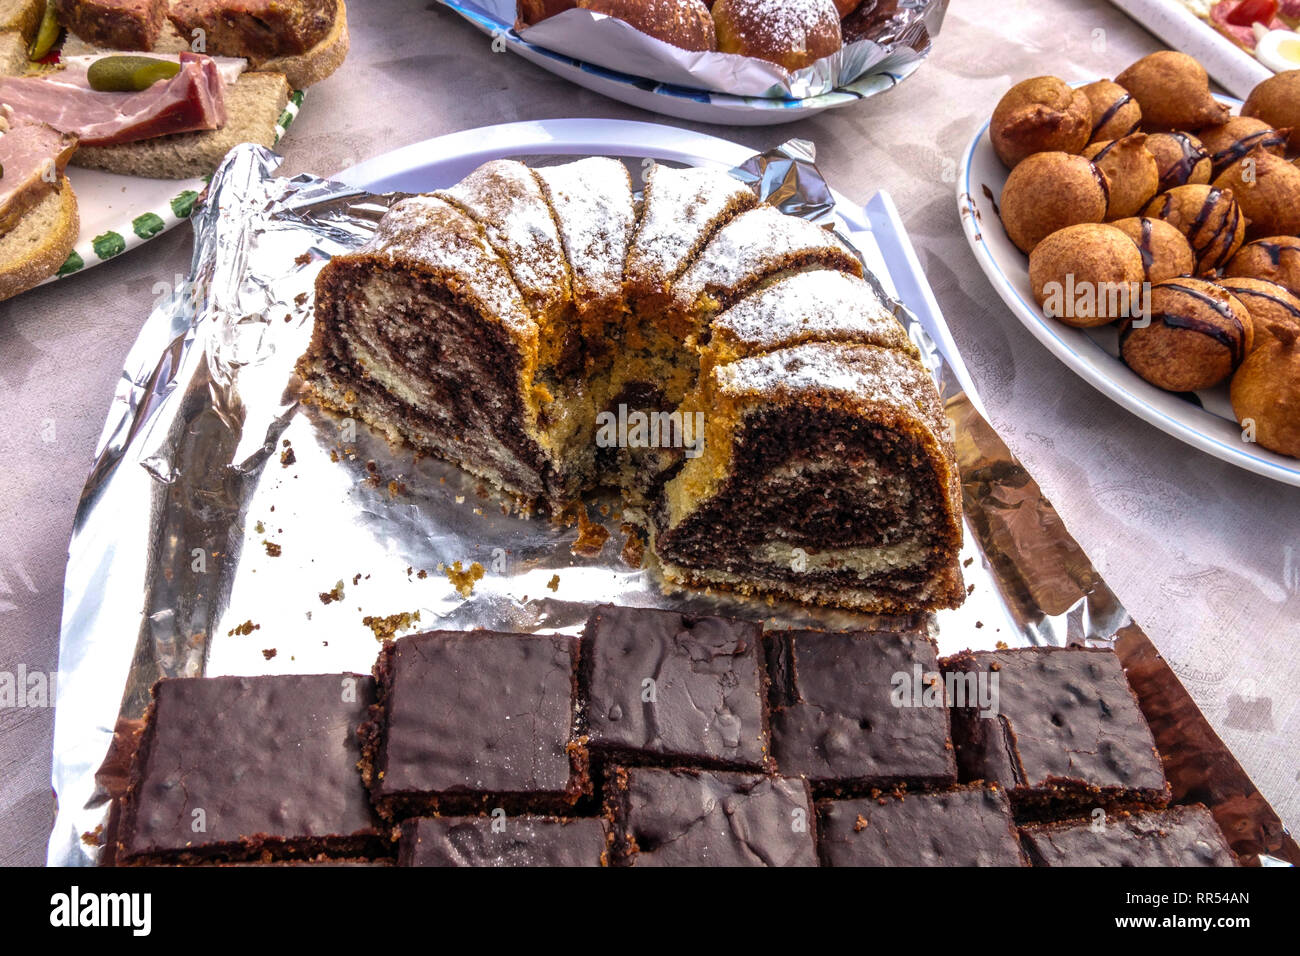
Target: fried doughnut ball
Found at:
1086, 275
1194, 337
1239, 137
1049, 191
535, 11
1115, 114
1268, 190
1265, 394
1164, 250
1130, 171
685, 24
1276, 101
1273, 310
1210, 219
1173, 91
1276, 258
790, 34
1181, 159
1040, 115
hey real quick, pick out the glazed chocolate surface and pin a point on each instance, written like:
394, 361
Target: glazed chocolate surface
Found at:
228, 766
1066, 721
1179, 836
512, 841
673, 688
698, 818
966, 827
475, 717
846, 713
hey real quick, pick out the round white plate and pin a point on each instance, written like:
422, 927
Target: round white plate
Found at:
121, 212
1203, 420
701, 106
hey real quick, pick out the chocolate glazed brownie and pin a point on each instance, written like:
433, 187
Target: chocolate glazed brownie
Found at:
668, 688
468, 722
1067, 735
1179, 836
507, 841
246, 768
840, 719
968, 826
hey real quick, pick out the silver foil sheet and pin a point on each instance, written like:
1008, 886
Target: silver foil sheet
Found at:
227, 528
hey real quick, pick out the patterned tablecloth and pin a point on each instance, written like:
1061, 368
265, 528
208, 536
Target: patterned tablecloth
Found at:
1205, 556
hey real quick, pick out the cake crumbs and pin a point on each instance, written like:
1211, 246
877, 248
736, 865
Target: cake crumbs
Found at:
968, 562
259, 528
859, 824
633, 553
554, 583
385, 628
422, 574
300, 298
356, 579
1001, 645
462, 579
273, 550
592, 535
396, 488
287, 457
333, 594
93, 837
970, 589
243, 630
303, 259
269, 652
979, 624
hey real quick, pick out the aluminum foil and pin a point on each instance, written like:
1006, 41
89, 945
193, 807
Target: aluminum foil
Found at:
900, 35
228, 528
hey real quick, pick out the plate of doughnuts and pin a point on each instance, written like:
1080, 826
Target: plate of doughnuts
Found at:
1147, 232
663, 64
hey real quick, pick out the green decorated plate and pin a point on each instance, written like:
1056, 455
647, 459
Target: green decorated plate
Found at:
121, 212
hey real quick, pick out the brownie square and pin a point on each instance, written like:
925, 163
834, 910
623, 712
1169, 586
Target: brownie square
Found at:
667, 688
512, 841
968, 826
469, 721
1064, 734
245, 768
1179, 836
859, 710
674, 817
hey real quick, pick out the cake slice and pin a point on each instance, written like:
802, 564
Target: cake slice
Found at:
522, 841
595, 213
394, 320
831, 467
820, 305
681, 210
759, 244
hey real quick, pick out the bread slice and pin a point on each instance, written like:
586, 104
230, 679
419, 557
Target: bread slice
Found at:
23, 16
301, 69
253, 107
13, 53
35, 249
304, 69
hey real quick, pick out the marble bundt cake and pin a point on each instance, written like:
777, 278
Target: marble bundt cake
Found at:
789, 440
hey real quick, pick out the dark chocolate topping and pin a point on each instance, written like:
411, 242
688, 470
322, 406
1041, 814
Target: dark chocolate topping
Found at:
493, 841
1179, 836
1106, 117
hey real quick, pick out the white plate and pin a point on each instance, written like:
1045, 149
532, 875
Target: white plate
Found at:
1093, 353
121, 212
876, 228
700, 106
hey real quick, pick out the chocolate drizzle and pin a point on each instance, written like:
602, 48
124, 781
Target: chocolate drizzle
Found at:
1229, 221
1144, 245
1231, 334
1181, 171
1109, 115
1261, 139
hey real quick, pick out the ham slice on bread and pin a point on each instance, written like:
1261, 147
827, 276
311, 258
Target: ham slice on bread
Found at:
32, 159
194, 99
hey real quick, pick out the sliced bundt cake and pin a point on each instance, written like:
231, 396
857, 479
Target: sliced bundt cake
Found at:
725, 365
